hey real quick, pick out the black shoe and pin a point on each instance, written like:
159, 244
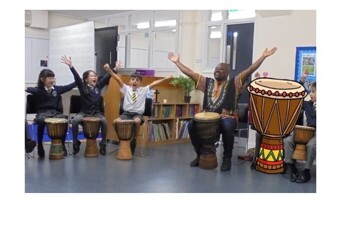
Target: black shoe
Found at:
30, 145
304, 176
64, 150
253, 165
133, 145
76, 147
195, 162
103, 149
293, 172
226, 165
41, 151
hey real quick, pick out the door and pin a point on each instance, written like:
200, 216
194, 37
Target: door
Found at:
106, 42
239, 50
239, 54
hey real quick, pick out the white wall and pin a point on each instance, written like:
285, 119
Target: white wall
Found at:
286, 32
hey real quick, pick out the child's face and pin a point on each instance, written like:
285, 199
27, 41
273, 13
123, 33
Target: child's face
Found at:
313, 94
49, 81
135, 82
91, 79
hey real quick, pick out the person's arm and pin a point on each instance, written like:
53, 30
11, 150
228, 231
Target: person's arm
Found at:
77, 80
243, 76
31, 90
114, 75
187, 71
68, 61
159, 81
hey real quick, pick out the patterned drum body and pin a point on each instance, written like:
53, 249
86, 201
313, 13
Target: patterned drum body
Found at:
91, 128
56, 128
125, 130
301, 136
275, 105
207, 129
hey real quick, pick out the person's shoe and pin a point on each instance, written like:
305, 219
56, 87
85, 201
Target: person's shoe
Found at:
226, 165
304, 176
293, 172
41, 151
253, 165
133, 145
30, 145
195, 162
76, 147
103, 149
64, 150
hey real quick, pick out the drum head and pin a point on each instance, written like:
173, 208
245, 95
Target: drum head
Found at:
207, 116
56, 120
277, 88
304, 127
91, 119
123, 121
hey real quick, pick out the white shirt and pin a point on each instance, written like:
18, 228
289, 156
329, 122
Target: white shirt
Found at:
139, 105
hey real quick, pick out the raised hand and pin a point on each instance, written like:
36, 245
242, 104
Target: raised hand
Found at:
118, 65
172, 57
107, 68
270, 52
67, 60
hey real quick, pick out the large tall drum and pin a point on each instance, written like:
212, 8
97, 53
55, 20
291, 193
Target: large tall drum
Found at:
56, 129
125, 129
91, 127
207, 129
275, 105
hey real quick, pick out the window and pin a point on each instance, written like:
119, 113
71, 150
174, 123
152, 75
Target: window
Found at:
217, 20
146, 37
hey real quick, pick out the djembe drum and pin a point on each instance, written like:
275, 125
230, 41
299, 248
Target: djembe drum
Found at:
302, 135
207, 128
56, 129
275, 105
125, 129
91, 127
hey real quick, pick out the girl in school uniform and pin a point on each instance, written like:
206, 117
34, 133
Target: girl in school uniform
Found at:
47, 100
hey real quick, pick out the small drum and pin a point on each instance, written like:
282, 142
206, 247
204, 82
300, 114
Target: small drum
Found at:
125, 130
207, 129
302, 135
275, 105
56, 129
91, 127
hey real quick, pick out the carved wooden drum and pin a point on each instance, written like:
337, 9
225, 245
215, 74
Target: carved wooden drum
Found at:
56, 129
275, 105
301, 136
125, 129
91, 128
207, 129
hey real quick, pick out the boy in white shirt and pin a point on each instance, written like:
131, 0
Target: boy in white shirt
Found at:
134, 99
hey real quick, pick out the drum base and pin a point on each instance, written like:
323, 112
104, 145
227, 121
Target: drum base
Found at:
91, 149
299, 152
124, 152
56, 150
270, 160
269, 169
207, 159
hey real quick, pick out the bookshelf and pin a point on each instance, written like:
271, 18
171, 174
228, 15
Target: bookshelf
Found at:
168, 123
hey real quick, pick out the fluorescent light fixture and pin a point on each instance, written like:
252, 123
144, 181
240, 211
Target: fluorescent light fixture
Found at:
240, 14
143, 25
165, 23
215, 34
